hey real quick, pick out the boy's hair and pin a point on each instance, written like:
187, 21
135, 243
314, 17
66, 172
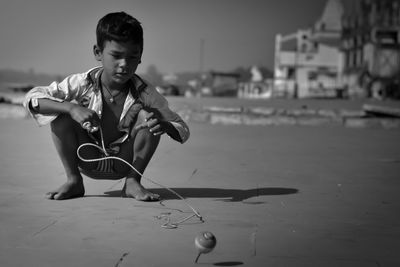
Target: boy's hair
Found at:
119, 26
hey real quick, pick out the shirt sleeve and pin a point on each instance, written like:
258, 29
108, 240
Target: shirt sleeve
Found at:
68, 90
155, 100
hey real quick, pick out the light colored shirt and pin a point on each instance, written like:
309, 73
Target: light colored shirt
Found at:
84, 89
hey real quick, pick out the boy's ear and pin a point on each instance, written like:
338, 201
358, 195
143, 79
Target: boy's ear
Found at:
98, 53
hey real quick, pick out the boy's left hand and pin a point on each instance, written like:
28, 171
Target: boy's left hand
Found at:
154, 124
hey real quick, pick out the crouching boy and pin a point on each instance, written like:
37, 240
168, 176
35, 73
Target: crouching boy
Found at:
131, 114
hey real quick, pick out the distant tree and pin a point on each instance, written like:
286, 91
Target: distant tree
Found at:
267, 73
244, 74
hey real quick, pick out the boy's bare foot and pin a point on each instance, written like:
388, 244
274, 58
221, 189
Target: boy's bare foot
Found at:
135, 190
67, 190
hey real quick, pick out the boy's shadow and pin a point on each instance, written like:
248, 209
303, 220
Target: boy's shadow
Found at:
228, 195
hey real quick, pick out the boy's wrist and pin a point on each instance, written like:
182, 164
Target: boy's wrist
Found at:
69, 106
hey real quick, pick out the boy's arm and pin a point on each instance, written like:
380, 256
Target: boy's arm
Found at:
65, 91
78, 113
158, 127
47, 107
172, 123
173, 132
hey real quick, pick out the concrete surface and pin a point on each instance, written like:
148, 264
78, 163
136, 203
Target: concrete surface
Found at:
273, 196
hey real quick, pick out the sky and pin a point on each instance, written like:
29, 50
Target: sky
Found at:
57, 37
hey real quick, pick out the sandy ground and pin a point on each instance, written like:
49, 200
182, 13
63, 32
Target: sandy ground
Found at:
273, 196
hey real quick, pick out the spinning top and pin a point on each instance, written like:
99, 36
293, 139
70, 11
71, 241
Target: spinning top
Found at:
204, 242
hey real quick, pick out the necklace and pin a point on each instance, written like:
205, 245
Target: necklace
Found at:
112, 97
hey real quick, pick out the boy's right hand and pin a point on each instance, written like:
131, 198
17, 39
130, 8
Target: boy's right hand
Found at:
81, 115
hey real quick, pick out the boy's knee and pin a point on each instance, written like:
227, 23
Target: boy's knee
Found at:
143, 134
141, 119
62, 123
142, 116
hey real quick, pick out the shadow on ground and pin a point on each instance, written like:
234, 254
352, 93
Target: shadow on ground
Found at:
228, 263
228, 195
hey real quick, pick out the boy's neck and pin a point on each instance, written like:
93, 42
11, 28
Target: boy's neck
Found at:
111, 85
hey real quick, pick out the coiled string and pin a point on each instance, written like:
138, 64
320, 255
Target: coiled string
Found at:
168, 222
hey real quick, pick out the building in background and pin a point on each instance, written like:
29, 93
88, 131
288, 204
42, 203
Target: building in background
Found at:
353, 49
257, 87
224, 83
371, 48
308, 62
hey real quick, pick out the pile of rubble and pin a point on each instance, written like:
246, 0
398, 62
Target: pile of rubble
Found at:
369, 116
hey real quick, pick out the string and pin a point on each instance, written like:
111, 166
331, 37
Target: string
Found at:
112, 97
168, 224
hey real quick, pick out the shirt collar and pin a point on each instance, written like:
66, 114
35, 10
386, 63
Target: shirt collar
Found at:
136, 85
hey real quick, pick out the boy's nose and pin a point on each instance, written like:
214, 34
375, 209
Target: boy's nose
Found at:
122, 62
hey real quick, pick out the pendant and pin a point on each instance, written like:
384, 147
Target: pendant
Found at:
111, 100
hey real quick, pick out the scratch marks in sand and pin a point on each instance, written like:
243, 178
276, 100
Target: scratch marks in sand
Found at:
193, 173
253, 240
44, 228
121, 259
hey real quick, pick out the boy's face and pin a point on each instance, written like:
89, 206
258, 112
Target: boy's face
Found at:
119, 59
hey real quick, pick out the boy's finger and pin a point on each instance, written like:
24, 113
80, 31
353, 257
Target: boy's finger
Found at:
141, 126
157, 130
159, 133
148, 124
152, 123
149, 116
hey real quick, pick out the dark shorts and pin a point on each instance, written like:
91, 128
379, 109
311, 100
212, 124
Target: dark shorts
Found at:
104, 170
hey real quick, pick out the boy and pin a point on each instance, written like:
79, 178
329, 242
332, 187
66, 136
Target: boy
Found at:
131, 114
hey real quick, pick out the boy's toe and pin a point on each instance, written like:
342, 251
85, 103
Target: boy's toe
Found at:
59, 196
151, 197
50, 195
56, 195
155, 197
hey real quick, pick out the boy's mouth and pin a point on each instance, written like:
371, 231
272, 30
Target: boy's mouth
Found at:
121, 74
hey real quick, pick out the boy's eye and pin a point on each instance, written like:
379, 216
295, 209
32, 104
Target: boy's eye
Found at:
133, 58
116, 56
